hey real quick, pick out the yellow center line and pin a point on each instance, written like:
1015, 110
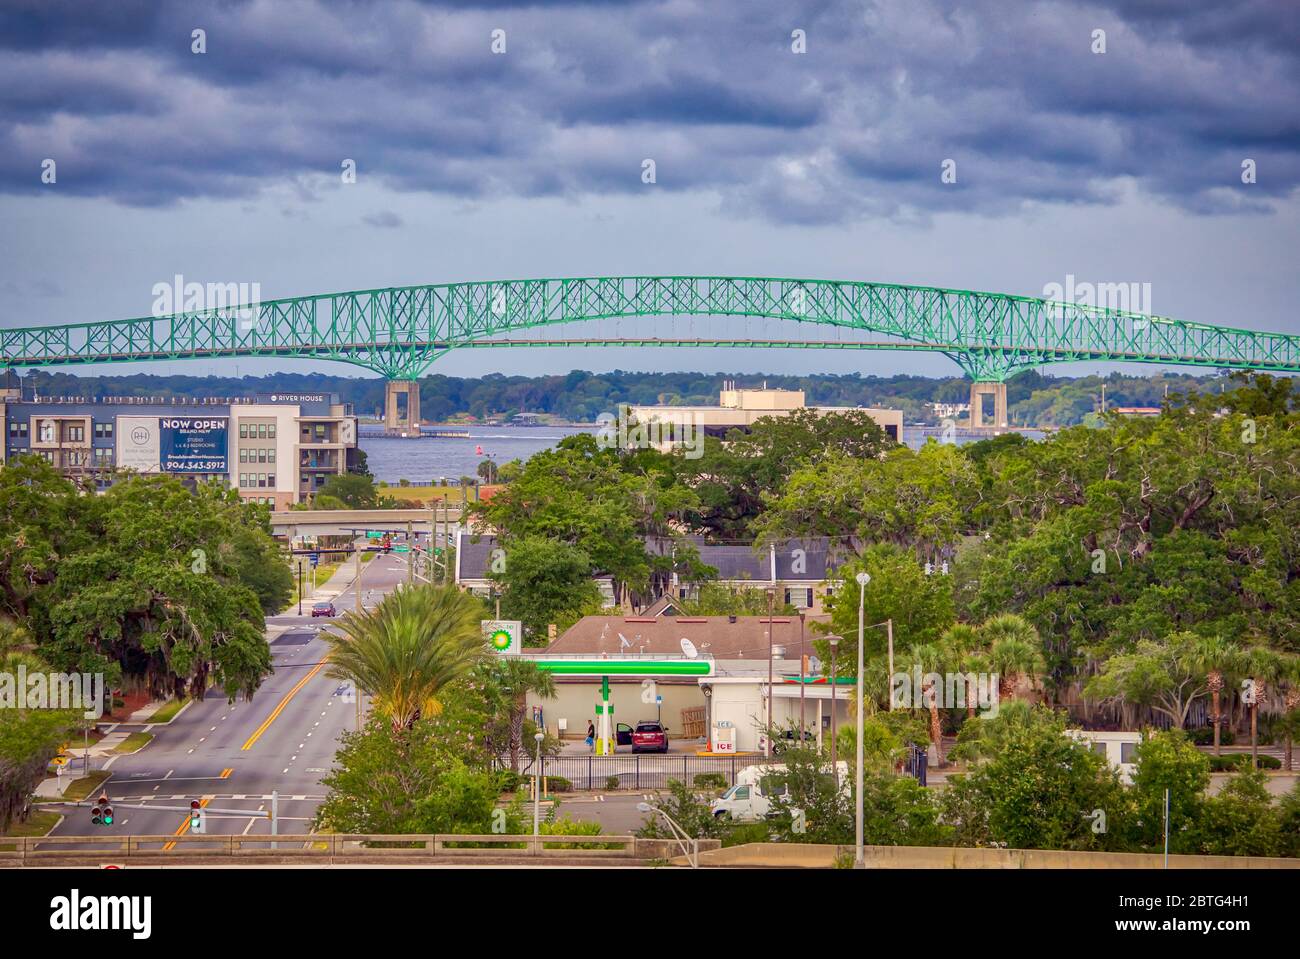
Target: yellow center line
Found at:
257, 734
225, 773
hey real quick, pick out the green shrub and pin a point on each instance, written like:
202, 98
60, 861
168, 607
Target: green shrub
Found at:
611, 783
710, 781
1204, 736
574, 827
557, 784
509, 781
1238, 761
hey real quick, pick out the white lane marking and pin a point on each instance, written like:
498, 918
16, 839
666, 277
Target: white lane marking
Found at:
169, 774
248, 827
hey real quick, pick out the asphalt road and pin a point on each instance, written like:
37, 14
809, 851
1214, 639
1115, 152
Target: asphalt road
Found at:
233, 756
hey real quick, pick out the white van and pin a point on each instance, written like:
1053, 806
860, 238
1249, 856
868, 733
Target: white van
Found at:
748, 801
744, 802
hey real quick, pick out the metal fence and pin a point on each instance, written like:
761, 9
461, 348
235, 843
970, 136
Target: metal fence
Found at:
637, 771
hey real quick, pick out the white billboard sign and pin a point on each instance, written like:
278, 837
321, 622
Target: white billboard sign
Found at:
138, 443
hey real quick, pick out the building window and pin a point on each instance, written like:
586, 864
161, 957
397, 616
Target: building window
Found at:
261, 431
270, 432
270, 480
47, 432
76, 434
261, 456
243, 455
103, 456
270, 455
1126, 751
261, 480
243, 431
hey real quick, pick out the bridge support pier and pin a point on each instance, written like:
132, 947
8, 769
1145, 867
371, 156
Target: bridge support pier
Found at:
399, 416
980, 390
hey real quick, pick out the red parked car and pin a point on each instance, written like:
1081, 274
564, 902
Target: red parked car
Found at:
649, 737
323, 609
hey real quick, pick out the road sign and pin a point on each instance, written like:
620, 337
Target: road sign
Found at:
315, 559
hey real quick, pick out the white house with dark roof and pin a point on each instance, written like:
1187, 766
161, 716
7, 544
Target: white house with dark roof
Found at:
797, 569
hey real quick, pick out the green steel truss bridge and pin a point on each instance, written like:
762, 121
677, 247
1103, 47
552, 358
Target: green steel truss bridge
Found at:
399, 332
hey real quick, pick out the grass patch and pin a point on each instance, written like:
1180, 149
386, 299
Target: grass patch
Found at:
133, 743
38, 824
167, 711
80, 789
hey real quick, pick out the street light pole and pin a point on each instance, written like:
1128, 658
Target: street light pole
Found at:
679, 833
537, 791
300, 587
859, 861
767, 739
801, 681
835, 644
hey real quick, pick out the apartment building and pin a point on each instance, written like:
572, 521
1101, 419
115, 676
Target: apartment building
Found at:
276, 448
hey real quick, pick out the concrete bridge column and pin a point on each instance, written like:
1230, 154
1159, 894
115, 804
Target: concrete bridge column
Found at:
395, 417
977, 393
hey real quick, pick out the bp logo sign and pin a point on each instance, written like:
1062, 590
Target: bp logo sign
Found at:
503, 634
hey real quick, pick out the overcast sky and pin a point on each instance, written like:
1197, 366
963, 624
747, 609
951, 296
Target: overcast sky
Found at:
224, 166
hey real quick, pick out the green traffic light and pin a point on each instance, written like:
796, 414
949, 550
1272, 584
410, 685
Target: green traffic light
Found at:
108, 819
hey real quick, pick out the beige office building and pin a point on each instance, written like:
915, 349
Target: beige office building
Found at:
741, 408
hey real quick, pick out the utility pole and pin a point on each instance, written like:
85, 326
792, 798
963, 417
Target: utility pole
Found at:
1166, 828
767, 739
859, 861
357, 585
801, 679
889, 625
300, 587
410, 554
835, 645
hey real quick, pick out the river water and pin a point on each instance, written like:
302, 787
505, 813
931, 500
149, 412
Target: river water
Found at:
430, 459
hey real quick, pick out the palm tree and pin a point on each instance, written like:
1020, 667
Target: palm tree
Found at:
1263, 666
933, 660
1219, 659
407, 649
967, 651
1289, 723
515, 679
1015, 651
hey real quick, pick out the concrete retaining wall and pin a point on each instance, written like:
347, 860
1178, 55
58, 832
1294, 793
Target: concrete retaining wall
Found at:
952, 857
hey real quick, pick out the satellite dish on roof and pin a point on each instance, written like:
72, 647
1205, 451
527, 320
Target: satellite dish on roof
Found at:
689, 648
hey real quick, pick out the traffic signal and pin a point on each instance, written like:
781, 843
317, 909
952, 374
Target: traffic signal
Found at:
196, 816
102, 813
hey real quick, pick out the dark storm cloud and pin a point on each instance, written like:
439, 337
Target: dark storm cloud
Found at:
860, 125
